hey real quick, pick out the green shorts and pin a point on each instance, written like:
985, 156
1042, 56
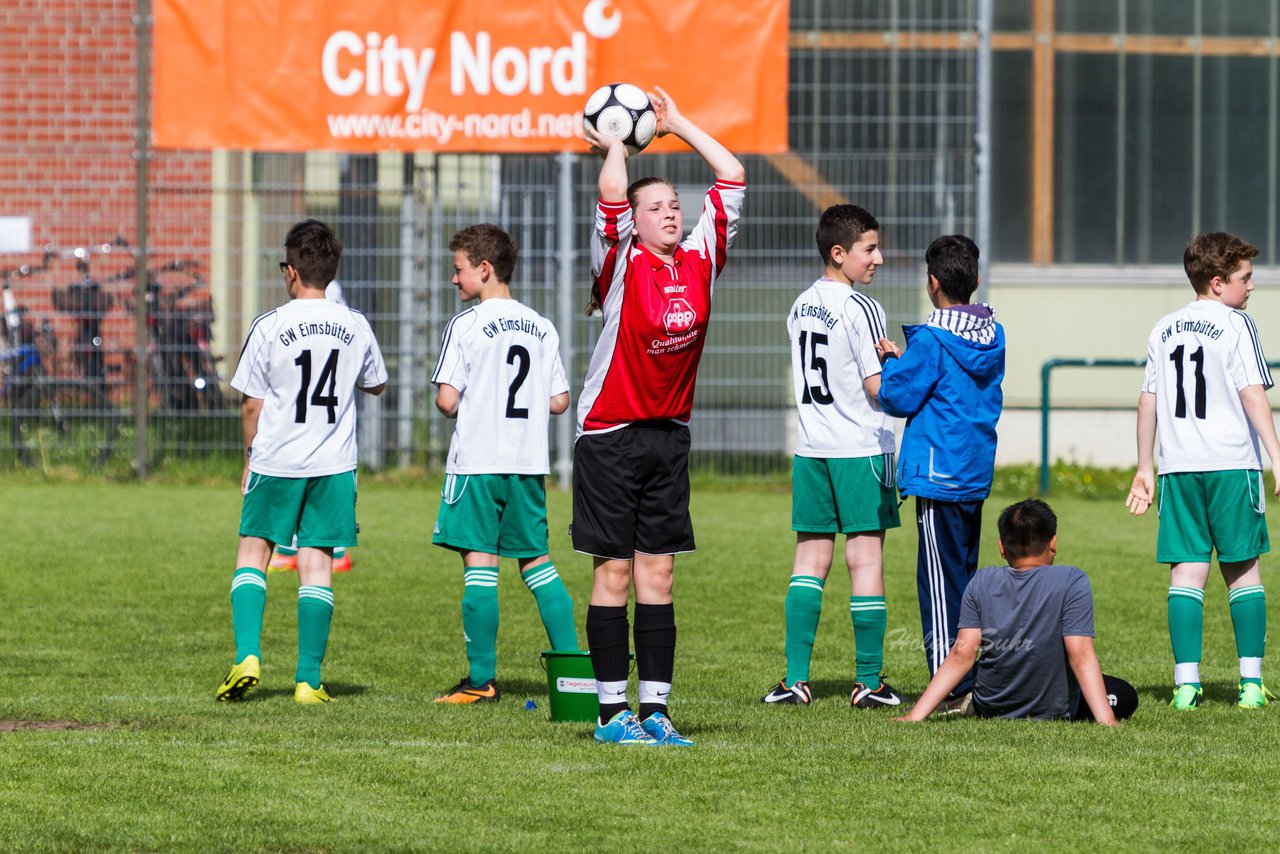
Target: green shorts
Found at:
496, 514
1203, 511
850, 495
321, 511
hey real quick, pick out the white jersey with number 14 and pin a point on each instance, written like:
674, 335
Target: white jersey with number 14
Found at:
304, 361
1198, 359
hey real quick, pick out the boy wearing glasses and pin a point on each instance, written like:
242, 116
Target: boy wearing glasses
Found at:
299, 370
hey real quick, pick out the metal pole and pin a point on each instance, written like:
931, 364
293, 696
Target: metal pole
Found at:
407, 364
141, 156
982, 148
564, 308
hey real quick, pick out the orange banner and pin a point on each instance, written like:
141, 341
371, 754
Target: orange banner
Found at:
468, 75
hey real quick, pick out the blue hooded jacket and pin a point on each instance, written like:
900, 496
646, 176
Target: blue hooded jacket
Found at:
947, 385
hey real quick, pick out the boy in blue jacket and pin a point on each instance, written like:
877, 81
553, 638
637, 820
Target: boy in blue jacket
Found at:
946, 383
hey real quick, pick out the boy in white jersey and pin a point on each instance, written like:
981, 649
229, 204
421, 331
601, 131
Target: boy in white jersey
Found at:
299, 370
843, 470
501, 377
1206, 386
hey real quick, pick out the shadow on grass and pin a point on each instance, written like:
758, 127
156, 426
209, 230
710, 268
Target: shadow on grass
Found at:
1214, 692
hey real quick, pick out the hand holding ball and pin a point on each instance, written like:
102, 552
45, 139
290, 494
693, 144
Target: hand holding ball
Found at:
623, 111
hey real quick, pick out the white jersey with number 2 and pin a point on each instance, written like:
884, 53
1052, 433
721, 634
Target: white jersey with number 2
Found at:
834, 330
504, 359
305, 360
1198, 359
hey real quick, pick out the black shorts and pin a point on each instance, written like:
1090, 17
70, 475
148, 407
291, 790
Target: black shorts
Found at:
631, 491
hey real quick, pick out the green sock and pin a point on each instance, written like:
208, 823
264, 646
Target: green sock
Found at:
1249, 620
869, 621
338, 552
803, 608
248, 599
288, 551
555, 606
480, 621
1186, 627
315, 612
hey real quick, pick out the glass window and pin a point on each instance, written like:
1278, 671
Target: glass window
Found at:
1011, 156
1087, 16
1085, 159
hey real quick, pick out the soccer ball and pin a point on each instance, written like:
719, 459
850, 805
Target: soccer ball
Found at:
624, 111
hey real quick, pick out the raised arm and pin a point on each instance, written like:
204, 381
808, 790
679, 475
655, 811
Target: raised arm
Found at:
1258, 410
613, 171
670, 120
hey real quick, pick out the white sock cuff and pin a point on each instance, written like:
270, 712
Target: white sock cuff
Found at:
1188, 671
657, 693
611, 693
1251, 668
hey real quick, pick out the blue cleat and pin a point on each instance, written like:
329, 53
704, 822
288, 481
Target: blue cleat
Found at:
623, 728
662, 731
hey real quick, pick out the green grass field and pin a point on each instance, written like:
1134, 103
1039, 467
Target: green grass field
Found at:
116, 617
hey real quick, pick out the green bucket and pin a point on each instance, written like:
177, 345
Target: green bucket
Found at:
571, 685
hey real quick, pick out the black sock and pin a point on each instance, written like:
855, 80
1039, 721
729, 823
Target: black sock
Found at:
655, 636
607, 639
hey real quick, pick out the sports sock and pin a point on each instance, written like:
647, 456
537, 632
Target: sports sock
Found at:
248, 600
286, 551
338, 552
803, 608
1249, 620
1186, 627
480, 621
315, 613
869, 620
607, 630
555, 606
655, 636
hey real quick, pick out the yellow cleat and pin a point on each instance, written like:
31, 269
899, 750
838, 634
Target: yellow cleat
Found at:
305, 694
242, 677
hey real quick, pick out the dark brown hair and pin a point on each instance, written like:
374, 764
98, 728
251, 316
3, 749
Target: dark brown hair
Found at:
487, 242
1215, 253
1026, 528
314, 251
843, 226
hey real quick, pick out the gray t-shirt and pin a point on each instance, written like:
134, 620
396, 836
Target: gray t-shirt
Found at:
1022, 671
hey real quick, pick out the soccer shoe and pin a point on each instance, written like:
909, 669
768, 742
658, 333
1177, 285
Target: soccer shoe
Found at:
882, 697
242, 677
308, 696
1254, 696
342, 564
962, 705
283, 563
465, 692
797, 695
1187, 697
623, 728
661, 730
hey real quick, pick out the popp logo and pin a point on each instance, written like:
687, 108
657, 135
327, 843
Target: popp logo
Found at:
679, 317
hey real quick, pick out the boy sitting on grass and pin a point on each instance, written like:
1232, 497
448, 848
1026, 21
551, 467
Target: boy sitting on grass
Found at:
1033, 622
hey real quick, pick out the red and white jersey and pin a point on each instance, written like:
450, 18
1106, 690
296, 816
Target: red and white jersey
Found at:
304, 361
1199, 358
504, 360
834, 330
655, 314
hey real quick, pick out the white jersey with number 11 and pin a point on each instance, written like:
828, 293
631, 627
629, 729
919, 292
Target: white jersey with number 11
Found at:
1198, 359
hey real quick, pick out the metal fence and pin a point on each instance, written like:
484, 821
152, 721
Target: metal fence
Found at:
889, 128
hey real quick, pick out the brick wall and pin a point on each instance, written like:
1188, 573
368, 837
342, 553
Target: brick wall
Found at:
68, 99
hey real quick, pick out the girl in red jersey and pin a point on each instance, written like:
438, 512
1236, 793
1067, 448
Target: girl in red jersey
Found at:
631, 458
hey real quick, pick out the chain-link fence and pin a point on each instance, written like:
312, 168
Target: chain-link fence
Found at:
878, 116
